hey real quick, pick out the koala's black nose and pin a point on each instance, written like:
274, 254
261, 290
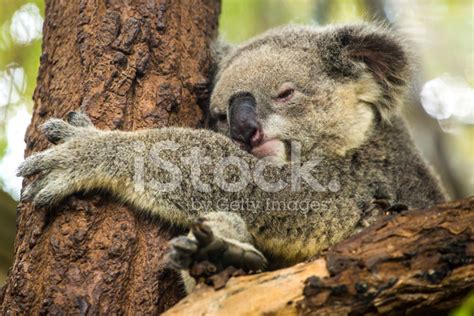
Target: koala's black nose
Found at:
243, 119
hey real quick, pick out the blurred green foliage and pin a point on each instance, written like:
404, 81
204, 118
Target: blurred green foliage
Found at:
12, 53
466, 308
242, 19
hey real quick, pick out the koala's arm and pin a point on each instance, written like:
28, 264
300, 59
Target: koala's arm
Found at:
137, 167
152, 169
127, 164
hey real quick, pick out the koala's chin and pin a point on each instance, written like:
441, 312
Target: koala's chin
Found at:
272, 148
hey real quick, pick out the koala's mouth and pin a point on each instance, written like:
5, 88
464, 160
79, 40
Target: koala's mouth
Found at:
261, 146
269, 148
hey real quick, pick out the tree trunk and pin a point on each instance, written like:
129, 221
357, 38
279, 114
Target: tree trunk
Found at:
7, 232
128, 65
418, 262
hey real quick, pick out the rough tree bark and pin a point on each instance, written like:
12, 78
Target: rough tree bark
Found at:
129, 65
418, 262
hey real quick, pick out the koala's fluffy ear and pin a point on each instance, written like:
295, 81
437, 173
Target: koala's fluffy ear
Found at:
348, 47
219, 50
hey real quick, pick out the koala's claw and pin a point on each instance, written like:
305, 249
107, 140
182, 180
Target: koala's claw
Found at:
202, 232
57, 130
223, 253
184, 244
182, 251
29, 191
46, 191
34, 164
51, 194
57, 168
79, 119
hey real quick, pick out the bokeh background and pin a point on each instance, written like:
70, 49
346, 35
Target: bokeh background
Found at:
440, 108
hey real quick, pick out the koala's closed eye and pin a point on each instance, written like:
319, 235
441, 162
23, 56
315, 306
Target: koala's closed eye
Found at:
285, 93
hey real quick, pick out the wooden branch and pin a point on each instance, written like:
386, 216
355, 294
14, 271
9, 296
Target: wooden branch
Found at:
417, 261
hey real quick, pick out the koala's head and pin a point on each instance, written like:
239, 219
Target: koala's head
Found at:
321, 87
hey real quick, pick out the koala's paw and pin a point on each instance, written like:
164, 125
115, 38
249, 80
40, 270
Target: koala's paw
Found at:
379, 208
48, 190
51, 187
59, 168
79, 119
221, 252
182, 252
57, 130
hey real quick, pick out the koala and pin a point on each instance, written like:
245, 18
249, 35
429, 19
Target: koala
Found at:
306, 135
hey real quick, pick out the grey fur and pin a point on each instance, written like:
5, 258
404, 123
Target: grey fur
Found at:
349, 82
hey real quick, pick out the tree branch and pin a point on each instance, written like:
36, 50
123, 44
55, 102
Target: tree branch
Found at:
417, 261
